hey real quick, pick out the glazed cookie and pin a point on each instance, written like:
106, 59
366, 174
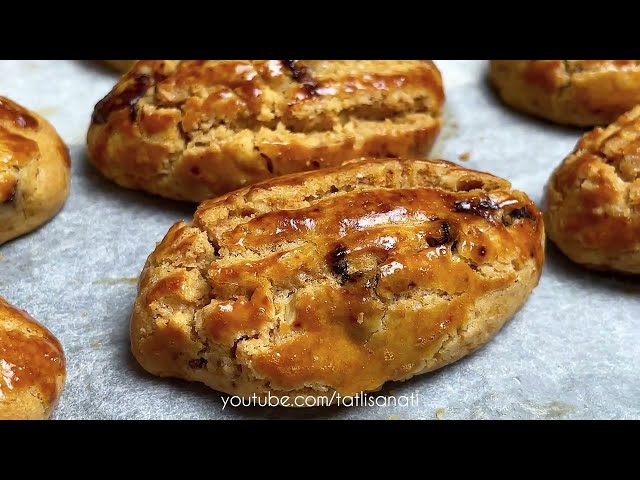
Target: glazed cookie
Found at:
575, 92
191, 130
34, 170
32, 367
593, 198
337, 280
120, 65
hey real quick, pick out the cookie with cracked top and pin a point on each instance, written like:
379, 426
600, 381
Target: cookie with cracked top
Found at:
194, 129
593, 198
34, 170
32, 366
337, 280
575, 92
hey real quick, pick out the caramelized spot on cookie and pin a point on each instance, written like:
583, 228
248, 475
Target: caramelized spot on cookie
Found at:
268, 162
16, 114
8, 188
338, 264
128, 98
445, 236
521, 212
481, 207
12, 196
301, 74
198, 363
517, 214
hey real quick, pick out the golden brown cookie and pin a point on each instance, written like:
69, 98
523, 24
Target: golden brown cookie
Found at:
575, 92
34, 170
593, 198
337, 280
193, 129
32, 367
120, 65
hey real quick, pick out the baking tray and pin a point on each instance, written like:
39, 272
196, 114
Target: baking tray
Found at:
572, 352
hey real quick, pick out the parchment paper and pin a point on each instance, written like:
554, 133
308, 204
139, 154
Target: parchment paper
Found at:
572, 352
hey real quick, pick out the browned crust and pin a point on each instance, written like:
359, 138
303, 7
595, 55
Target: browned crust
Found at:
575, 92
34, 170
191, 130
32, 366
337, 280
593, 198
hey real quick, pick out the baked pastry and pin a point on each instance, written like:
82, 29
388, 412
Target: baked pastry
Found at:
32, 367
574, 92
34, 170
193, 129
337, 280
593, 198
120, 65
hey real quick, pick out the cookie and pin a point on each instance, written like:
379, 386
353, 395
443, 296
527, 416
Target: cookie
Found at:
574, 92
120, 65
32, 367
34, 170
194, 129
593, 198
338, 280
